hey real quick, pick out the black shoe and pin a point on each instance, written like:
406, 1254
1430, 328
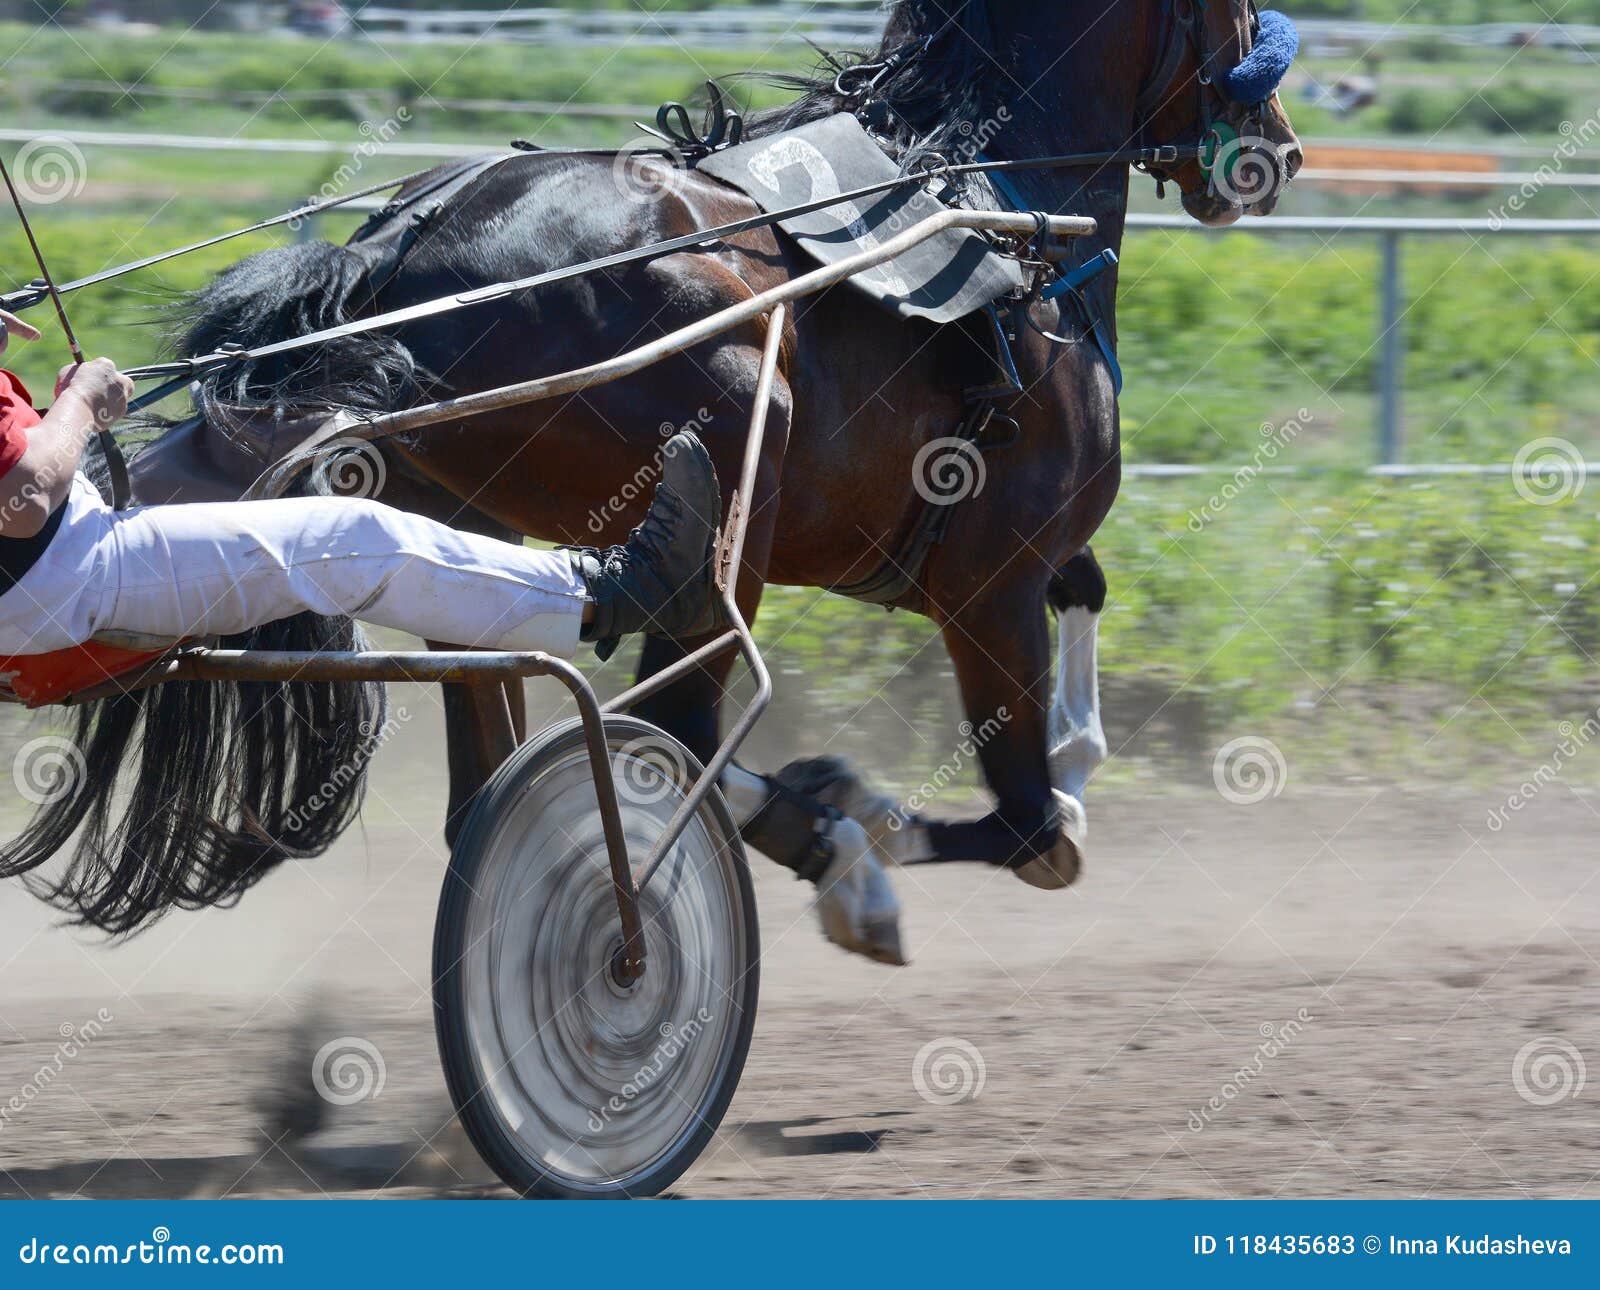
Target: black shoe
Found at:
661, 580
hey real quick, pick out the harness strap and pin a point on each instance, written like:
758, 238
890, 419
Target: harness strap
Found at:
455, 176
446, 186
1176, 40
1072, 283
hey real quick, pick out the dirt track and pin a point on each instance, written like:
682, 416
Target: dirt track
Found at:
1425, 953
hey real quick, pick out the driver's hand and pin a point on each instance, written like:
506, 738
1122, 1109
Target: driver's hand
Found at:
11, 325
103, 389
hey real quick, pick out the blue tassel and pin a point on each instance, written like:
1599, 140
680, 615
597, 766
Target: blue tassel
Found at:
1257, 78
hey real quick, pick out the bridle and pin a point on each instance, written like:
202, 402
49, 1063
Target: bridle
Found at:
1185, 33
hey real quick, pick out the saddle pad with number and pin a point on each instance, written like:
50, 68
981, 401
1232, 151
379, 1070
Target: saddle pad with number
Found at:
944, 279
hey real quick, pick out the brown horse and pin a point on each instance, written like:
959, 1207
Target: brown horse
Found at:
861, 394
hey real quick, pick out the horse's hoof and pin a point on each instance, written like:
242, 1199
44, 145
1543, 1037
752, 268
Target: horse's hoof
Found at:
881, 943
858, 908
1059, 867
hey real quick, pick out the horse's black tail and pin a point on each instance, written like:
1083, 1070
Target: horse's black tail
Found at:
288, 292
186, 795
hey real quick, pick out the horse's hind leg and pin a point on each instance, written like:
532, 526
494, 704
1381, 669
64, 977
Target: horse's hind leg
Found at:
483, 723
855, 901
689, 708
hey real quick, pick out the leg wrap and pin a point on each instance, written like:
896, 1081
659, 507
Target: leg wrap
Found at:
794, 830
1013, 835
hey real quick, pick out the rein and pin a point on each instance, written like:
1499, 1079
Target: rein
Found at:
177, 372
37, 292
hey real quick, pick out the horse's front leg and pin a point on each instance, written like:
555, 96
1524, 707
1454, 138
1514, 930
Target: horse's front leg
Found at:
1000, 647
855, 902
1077, 595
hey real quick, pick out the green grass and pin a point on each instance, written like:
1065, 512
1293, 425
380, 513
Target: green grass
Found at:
226, 68
1221, 335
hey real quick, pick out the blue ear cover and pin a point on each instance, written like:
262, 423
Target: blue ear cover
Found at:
1257, 78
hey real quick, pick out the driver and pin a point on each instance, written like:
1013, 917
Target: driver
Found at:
71, 567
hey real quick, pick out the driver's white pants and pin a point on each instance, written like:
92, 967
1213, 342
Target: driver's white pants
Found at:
219, 568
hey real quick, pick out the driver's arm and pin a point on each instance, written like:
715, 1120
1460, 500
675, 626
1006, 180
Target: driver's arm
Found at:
39, 479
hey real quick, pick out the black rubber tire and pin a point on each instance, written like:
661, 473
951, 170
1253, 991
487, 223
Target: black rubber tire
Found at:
479, 1114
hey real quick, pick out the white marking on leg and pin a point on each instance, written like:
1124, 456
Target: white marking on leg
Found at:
1077, 742
746, 792
856, 904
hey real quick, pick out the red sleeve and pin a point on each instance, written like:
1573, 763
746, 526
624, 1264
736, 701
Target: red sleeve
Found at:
17, 416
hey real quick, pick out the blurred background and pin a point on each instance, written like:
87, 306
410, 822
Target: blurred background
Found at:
1357, 524
1321, 599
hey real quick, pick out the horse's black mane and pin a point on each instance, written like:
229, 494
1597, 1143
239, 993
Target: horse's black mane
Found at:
931, 96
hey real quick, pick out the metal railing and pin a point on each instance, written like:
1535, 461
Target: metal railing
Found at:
856, 21
827, 22
1391, 234
1548, 177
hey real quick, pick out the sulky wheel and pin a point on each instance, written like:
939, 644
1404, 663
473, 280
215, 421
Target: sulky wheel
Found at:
569, 1083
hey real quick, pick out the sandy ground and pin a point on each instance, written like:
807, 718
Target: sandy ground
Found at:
1328, 994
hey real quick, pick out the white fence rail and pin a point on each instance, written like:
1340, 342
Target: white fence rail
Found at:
854, 22
827, 22
1549, 177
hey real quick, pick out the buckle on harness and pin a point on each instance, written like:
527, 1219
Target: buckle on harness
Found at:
1070, 285
1082, 276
